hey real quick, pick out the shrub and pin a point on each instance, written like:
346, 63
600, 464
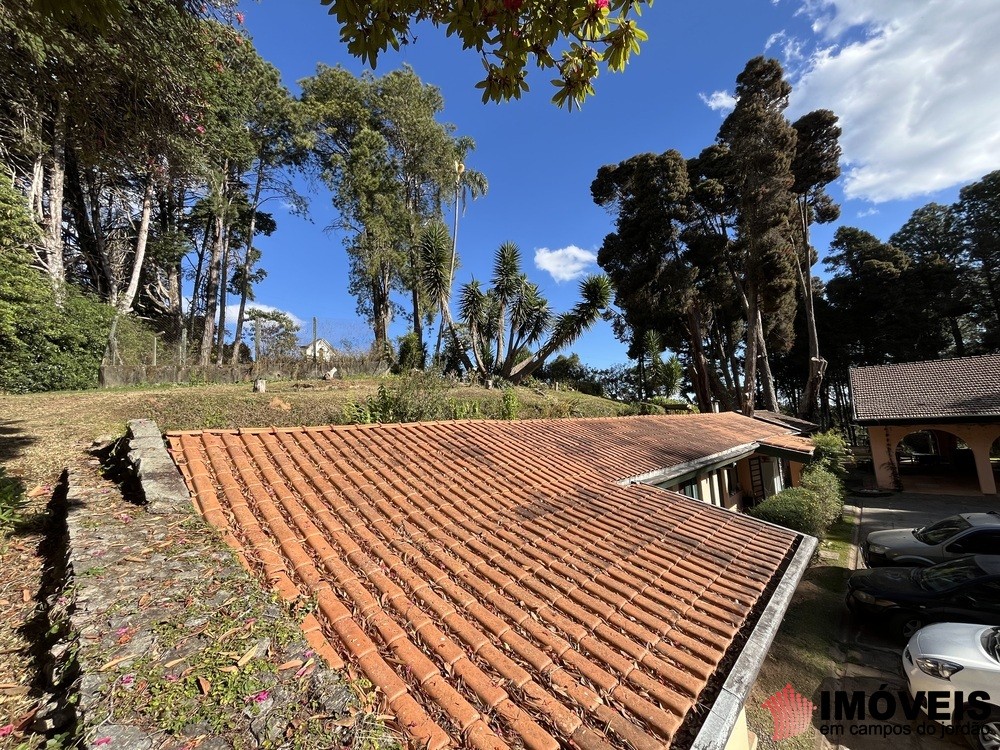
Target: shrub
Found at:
831, 452
509, 405
827, 490
12, 501
643, 408
411, 354
795, 508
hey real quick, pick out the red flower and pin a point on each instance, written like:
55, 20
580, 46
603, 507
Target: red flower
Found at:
239, 18
513, 5
600, 4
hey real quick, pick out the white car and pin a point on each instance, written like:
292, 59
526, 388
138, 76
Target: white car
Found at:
956, 668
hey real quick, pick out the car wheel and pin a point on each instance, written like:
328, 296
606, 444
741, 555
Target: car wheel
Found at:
906, 624
985, 735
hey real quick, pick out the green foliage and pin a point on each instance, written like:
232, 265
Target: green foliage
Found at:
275, 335
831, 452
827, 489
810, 508
377, 143
413, 397
597, 35
794, 508
508, 320
42, 346
510, 407
12, 501
411, 354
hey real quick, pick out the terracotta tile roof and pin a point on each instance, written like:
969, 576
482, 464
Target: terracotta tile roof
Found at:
790, 442
936, 389
784, 420
492, 578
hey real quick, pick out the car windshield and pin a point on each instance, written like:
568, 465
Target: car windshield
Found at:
946, 575
942, 530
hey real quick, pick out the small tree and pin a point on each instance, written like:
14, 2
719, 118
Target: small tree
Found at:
275, 335
507, 320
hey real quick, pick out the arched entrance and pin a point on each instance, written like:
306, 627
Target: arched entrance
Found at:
935, 460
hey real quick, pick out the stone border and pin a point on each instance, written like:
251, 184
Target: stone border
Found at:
161, 482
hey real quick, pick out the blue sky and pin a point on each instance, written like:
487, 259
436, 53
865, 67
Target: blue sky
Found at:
914, 82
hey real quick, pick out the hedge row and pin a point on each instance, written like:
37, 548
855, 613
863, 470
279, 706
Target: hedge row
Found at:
810, 508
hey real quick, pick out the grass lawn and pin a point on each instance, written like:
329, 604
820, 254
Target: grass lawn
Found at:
39, 433
802, 650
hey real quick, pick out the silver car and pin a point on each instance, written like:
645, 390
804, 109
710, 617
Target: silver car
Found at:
951, 537
955, 662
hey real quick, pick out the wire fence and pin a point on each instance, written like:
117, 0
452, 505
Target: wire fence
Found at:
331, 348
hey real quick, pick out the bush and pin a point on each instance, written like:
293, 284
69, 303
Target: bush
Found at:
795, 508
509, 405
831, 452
827, 490
12, 501
411, 354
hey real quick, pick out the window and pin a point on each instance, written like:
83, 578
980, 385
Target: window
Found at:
977, 543
690, 488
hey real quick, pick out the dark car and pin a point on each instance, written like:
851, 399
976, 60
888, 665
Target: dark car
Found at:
949, 538
906, 599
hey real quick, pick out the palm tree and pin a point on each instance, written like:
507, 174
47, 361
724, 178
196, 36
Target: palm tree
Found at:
514, 312
435, 278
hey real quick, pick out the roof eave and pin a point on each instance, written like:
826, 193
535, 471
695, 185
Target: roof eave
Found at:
928, 419
698, 464
722, 717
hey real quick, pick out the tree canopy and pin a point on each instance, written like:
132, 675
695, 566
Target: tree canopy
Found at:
574, 38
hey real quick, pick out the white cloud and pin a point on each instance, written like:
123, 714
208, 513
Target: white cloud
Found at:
564, 264
870, 211
914, 86
232, 311
719, 101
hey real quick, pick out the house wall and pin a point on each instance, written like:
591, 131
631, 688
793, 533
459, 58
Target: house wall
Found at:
979, 437
741, 738
715, 488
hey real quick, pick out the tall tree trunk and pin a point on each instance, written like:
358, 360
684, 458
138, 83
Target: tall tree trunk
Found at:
699, 363
220, 332
76, 198
176, 303
817, 365
767, 379
141, 240
750, 357
956, 334
198, 271
212, 292
55, 263
245, 280
37, 188
93, 192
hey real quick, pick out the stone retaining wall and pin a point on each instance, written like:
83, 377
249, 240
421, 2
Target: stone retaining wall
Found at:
157, 622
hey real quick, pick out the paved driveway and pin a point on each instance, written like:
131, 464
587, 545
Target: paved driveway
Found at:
908, 509
870, 660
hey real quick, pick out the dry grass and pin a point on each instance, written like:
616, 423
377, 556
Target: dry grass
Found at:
41, 434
